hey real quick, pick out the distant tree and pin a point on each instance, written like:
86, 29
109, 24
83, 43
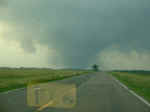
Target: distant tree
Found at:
95, 67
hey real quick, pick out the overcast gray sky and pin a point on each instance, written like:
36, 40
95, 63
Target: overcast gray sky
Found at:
75, 33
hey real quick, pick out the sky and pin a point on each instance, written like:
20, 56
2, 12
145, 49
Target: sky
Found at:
115, 34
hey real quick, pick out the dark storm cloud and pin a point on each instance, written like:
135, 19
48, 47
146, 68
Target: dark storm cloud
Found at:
80, 29
3, 3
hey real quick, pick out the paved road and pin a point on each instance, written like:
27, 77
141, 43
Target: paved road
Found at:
94, 93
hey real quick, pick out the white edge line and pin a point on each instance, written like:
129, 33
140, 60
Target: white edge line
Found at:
13, 90
132, 92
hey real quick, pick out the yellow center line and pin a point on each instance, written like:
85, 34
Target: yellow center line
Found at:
45, 106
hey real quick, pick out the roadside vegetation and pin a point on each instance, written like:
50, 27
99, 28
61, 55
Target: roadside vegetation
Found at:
18, 78
139, 82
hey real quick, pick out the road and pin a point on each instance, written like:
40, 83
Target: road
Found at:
97, 92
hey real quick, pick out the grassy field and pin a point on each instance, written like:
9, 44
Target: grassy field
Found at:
139, 82
18, 78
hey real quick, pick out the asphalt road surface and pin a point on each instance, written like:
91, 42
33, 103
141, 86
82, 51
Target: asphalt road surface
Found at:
97, 92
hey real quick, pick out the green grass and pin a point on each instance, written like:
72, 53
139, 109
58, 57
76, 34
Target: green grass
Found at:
18, 78
138, 82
